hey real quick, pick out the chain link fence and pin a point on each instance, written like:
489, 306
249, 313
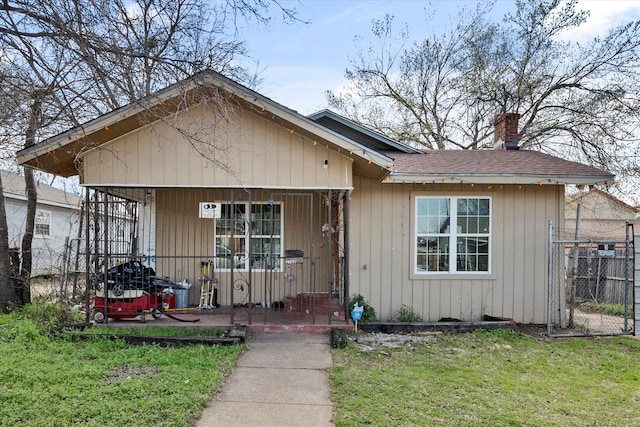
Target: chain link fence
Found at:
590, 286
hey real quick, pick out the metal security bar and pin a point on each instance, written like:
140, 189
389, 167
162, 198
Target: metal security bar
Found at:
256, 255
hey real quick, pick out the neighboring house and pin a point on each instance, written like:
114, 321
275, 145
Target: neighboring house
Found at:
57, 218
602, 216
287, 207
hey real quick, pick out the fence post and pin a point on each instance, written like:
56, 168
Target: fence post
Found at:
550, 279
636, 283
626, 279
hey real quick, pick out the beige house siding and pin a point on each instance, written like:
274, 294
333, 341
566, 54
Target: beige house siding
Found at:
382, 259
245, 151
183, 240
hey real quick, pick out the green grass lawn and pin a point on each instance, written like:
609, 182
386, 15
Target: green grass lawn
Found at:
495, 378
46, 381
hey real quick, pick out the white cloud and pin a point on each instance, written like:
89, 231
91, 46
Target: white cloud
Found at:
604, 16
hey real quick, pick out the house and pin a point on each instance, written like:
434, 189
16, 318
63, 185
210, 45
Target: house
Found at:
602, 216
273, 207
57, 219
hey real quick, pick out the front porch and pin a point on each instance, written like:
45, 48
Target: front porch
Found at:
271, 260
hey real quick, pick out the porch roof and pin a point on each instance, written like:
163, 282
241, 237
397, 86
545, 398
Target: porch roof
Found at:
492, 167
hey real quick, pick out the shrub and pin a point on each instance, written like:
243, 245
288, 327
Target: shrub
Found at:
368, 314
48, 315
406, 314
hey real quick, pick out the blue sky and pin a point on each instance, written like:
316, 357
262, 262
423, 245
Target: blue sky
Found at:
300, 62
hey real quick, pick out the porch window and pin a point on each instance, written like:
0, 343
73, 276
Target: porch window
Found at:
260, 231
42, 226
453, 234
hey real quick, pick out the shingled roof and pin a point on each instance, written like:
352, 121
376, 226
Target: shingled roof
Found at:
492, 166
14, 187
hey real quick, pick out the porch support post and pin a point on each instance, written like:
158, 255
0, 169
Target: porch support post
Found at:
248, 250
105, 231
87, 257
233, 257
346, 274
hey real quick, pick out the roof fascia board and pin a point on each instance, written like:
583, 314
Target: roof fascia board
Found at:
81, 131
497, 179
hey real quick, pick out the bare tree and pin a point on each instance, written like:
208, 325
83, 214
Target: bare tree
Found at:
576, 100
72, 60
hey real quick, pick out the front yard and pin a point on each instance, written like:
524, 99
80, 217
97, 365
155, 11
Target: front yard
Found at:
50, 381
497, 378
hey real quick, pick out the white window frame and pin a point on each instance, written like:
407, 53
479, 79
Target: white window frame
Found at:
452, 234
243, 242
39, 214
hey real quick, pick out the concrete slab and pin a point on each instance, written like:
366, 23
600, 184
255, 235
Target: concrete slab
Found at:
243, 414
309, 352
282, 380
268, 385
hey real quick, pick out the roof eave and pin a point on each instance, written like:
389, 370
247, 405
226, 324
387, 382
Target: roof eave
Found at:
517, 179
82, 131
369, 132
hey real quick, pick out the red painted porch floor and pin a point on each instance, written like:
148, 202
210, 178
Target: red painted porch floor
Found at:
256, 320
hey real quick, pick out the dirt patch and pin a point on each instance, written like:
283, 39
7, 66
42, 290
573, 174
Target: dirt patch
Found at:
372, 341
369, 342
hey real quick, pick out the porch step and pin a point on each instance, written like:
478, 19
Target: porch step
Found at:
300, 329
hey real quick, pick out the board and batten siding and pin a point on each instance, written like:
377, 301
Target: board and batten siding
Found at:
183, 241
381, 250
199, 149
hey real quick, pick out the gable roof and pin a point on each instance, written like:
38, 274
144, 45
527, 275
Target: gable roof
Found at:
492, 167
596, 204
13, 187
58, 154
373, 154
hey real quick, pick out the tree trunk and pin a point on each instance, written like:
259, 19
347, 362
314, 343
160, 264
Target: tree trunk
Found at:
23, 289
8, 297
23, 285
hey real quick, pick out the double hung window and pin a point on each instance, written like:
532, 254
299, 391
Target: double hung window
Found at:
42, 226
452, 235
249, 235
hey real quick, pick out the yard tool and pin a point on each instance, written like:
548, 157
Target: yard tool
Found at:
208, 291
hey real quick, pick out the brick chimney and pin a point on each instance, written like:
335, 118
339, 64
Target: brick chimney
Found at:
506, 132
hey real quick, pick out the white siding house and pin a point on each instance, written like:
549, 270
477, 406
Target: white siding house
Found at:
57, 218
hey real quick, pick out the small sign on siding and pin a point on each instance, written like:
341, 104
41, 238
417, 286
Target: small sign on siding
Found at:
210, 210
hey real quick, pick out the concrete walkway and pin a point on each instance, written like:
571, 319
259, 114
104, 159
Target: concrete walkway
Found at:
282, 380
